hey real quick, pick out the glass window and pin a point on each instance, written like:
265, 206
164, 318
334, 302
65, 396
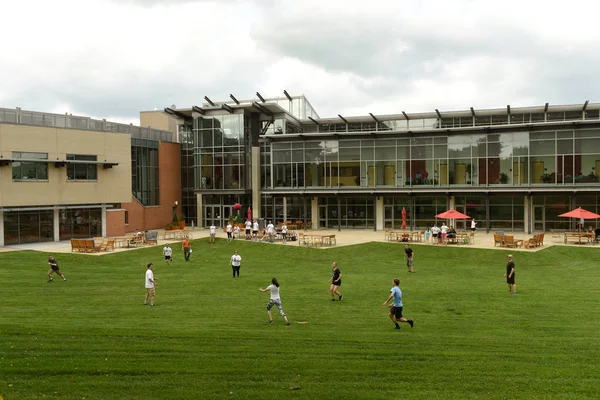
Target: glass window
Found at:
466, 121
541, 147
592, 114
573, 115
483, 120
538, 117
555, 116
541, 135
29, 169
588, 133
144, 172
564, 146
499, 119
78, 169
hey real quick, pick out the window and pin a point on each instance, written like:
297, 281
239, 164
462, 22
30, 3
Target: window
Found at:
79, 170
29, 169
126, 217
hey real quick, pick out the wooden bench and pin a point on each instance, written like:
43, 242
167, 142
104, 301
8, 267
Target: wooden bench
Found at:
577, 236
510, 241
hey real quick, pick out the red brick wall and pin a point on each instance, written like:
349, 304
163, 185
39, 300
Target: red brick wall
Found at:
115, 223
154, 217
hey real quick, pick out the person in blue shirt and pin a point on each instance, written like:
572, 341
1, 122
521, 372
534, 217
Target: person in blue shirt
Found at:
396, 307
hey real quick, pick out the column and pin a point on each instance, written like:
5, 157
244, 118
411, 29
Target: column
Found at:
339, 213
56, 221
526, 226
200, 221
314, 205
255, 177
103, 216
451, 202
487, 214
1, 228
379, 213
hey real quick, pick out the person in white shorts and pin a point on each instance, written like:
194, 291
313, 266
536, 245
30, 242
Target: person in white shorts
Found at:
213, 233
150, 284
284, 232
168, 253
444, 230
248, 229
274, 301
270, 231
255, 229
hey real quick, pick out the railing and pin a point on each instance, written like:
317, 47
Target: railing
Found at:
18, 116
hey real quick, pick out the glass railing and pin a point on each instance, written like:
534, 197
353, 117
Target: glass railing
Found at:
18, 116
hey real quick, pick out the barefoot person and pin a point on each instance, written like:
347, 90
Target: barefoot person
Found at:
396, 307
510, 275
54, 269
150, 284
234, 263
275, 300
336, 282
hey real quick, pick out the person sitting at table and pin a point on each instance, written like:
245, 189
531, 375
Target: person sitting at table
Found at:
452, 233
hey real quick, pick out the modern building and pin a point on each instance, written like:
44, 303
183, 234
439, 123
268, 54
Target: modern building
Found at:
64, 176
513, 168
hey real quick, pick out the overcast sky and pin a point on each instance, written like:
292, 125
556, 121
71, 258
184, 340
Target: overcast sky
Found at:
113, 58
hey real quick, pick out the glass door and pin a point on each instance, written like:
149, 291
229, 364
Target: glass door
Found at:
461, 224
388, 216
210, 216
322, 216
538, 219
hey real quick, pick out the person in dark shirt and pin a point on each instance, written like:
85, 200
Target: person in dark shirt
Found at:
409, 255
336, 282
54, 269
510, 275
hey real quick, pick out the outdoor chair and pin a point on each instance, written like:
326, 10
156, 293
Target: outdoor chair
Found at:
498, 240
509, 241
152, 237
530, 243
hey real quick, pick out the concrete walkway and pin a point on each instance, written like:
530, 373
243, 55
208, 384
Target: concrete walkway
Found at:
345, 237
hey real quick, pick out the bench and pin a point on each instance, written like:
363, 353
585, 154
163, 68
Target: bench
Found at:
577, 236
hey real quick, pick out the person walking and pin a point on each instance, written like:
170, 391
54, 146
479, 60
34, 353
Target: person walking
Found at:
255, 230
284, 230
186, 247
234, 263
168, 253
213, 233
510, 275
396, 306
409, 255
270, 231
274, 301
248, 229
150, 285
336, 282
473, 225
228, 229
54, 268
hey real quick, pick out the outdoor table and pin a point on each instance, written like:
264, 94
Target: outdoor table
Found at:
588, 235
315, 238
120, 241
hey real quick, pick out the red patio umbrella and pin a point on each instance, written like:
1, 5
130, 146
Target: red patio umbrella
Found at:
249, 214
580, 213
403, 218
452, 214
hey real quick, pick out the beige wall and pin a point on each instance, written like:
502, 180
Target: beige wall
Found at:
113, 184
158, 120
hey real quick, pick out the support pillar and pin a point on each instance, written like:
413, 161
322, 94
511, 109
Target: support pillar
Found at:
339, 212
379, 213
255, 177
200, 221
487, 214
526, 213
304, 212
103, 218
1, 228
56, 224
452, 202
314, 205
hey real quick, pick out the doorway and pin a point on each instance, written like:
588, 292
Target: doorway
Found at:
539, 219
212, 216
322, 216
461, 224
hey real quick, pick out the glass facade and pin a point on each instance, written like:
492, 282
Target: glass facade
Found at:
80, 223
144, 171
188, 194
30, 169
81, 171
28, 226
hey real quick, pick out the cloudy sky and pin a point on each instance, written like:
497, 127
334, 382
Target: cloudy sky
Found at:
113, 58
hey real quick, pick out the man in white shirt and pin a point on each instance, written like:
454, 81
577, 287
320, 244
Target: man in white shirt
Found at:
228, 229
255, 229
284, 233
248, 229
236, 232
473, 225
150, 279
235, 263
270, 231
213, 233
168, 253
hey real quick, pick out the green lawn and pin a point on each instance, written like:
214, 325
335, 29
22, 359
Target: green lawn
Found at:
209, 337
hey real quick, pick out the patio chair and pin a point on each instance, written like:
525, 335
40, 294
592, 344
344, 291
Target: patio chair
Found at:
152, 237
472, 237
509, 241
498, 240
530, 243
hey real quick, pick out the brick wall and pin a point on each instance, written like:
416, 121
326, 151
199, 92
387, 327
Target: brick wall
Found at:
154, 217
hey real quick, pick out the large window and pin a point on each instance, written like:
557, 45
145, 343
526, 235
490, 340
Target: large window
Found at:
144, 171
28, 226
79, 168
80, 223
29, 169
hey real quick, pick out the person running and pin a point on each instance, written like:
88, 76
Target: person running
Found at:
54, 269
248, 229
150, 285
510, 275
270, 231
409, 255
255, 229
275, 300
284, 230
336, 282
236, 232
228, 229
168, 253
186, 247
234, 263
213, 233
396, 306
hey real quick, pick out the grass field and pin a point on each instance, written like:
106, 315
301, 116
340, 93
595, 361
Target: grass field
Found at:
208, 335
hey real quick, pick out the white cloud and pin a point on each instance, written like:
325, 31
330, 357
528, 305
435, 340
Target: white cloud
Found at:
114, 58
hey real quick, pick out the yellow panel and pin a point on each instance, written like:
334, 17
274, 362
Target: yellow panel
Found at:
537, 170
372, 176
460, 174
388, 173
516, 168
597, 167
443, 174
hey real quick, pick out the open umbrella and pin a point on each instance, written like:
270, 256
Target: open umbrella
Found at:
452, 214
403, 218
580, 213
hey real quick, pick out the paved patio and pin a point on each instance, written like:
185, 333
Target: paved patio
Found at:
344, 237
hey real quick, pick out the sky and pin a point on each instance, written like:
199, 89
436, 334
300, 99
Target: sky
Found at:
113, 58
